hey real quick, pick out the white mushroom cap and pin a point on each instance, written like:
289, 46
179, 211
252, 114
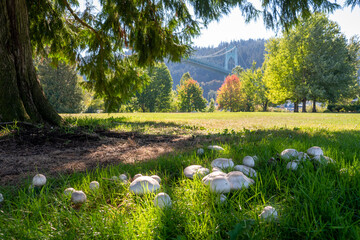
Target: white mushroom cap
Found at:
315, 151
157, 178
248, 171
94, 185
137, 176
249, 161
289, 153
123, 177
220, 184
195, 170
303, 156
292, 165
1, 198
200, 151
323, 159
269, 213
215, 148
216, 169
238, 180
222, 163
162, 200
208, 178
69, 191
222, 198
78, 197
143, 185
39, 180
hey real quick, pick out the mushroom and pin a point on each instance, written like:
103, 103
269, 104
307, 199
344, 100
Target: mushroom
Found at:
323, 159
1, 198
162, 200
303, 156
123, 177
220, 184
157, 178
208, 178
289, 153
246, 170
293, 165
143, 185
195, 170
315, 151
222, 198
200, 151
238, 180
269, 213
39, 180
249, 161
78, 197
222, 163
215, 148
215, 169
69, 191
94, 185
136, 176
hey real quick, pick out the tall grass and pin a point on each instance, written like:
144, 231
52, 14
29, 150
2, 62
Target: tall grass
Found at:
314, 202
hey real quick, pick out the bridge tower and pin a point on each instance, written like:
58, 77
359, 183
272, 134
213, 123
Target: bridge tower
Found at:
231, 57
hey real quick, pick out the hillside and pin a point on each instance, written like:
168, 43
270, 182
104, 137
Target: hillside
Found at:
248, 51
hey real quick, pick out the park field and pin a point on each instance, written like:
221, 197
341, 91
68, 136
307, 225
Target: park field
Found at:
318, 200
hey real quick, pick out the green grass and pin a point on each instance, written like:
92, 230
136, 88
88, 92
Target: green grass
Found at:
314, 202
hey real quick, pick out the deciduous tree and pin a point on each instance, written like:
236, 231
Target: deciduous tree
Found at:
190, 96
231, 96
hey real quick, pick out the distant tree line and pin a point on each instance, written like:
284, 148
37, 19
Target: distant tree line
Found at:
311, 61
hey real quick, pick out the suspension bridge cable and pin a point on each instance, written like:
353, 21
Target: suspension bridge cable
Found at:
213, 54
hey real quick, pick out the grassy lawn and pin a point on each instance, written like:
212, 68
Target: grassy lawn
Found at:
317, 201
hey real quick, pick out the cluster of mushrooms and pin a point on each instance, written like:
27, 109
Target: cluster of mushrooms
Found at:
294, 157
218, 180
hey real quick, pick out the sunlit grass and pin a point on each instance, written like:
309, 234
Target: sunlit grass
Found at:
314, 202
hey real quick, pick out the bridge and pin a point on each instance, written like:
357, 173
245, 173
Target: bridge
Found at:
230, 56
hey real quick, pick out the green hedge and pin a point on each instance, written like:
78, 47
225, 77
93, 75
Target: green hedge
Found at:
352, 107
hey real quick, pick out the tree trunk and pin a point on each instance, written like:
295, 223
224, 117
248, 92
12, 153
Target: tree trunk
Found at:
304, 105
296, 106
21, 95
314, 106
265, 104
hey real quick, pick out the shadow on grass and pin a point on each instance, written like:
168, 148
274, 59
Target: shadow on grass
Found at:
101, 153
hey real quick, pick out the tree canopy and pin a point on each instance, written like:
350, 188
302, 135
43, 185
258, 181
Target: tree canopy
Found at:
313, 61
190, 95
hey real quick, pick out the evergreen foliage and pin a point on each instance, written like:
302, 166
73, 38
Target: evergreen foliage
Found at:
61, 86
157, 96
212, 106
190, 95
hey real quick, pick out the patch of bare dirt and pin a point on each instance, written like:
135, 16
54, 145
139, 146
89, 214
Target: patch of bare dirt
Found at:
52, 151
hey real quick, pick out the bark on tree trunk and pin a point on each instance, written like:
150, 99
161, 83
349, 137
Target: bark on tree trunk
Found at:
265, 106
314, 106
304, 105
21, 95
296, 106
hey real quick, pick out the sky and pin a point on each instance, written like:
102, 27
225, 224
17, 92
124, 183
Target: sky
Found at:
233, 26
